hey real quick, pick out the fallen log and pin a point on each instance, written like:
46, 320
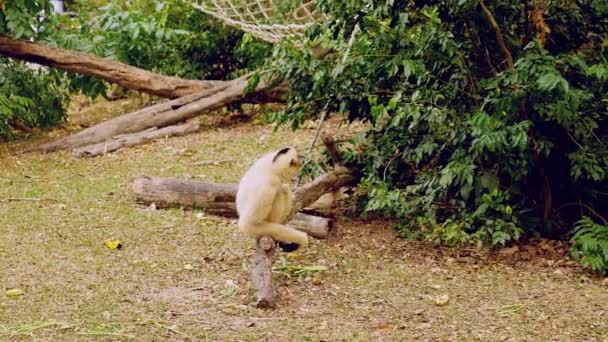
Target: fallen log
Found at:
112, 71
213, 198
159, 115
128, 140
219, 198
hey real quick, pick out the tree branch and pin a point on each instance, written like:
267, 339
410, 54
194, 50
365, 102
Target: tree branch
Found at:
87, 64
499, 37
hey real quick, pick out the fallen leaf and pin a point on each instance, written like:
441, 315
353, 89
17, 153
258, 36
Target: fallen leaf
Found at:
442, 300
113, 244
188, 267
14, 293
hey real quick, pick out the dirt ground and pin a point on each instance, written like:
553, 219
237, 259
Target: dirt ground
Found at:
184, 276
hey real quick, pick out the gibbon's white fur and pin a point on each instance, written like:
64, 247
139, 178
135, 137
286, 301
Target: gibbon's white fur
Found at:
264, 200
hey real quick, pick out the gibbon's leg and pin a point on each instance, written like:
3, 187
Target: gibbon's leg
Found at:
284, 235
281, 210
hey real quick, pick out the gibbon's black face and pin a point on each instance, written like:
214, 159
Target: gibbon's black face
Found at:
288, 160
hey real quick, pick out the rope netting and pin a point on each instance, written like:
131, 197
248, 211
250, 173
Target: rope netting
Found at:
265, 19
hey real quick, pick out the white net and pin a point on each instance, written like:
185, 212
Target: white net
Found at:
264, 19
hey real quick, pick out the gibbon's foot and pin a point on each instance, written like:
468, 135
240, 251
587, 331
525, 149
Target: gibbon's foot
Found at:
288, 247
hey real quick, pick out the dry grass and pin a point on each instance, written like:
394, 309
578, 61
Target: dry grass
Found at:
377, 286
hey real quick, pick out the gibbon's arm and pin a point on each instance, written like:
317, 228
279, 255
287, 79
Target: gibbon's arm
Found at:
257, 205
254, 220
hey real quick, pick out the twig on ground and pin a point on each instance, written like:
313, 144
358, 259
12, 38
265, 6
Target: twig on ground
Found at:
28, 199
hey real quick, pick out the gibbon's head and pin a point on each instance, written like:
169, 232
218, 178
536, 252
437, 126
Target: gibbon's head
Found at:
286, 163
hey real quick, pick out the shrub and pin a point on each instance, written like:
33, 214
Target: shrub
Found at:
477, 136
590, 245
29, 98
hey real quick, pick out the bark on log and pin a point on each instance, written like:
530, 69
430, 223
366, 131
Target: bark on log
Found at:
214, 198
115, 72
128, 140
159, 115
261, 272
310, 192
122, 74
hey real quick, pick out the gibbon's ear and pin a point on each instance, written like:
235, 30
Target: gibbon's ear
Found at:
280, 152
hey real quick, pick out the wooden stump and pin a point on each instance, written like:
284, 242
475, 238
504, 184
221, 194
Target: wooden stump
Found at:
261, 272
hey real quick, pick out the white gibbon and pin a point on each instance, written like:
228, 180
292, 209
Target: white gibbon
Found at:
264, 200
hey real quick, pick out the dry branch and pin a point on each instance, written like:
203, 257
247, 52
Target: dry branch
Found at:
219, 198
309, 193
192, 96
122, 74
159, 115
332, 149
128, 140
115, 72
213, 198
499, 36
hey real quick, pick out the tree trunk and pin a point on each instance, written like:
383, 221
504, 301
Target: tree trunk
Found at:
213, 198
111, 71
261, 272
159, 115
127, 140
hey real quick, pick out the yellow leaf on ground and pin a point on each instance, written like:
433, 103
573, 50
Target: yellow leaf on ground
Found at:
112, 244
14, 293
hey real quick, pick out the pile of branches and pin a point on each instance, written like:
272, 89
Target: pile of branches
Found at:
187, 99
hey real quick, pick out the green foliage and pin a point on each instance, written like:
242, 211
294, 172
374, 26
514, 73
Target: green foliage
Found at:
590, 245
463, 148
29, 98
26, 18
168, 37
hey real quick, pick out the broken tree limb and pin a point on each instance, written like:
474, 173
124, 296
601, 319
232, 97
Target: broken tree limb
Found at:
331, 181
122, 74
213, 198
112, 71
332, 149
127, 140
261, 272
159, 115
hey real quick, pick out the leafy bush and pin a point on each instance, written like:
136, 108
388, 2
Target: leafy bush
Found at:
29, 98
590, 245
26, 18
470, 141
